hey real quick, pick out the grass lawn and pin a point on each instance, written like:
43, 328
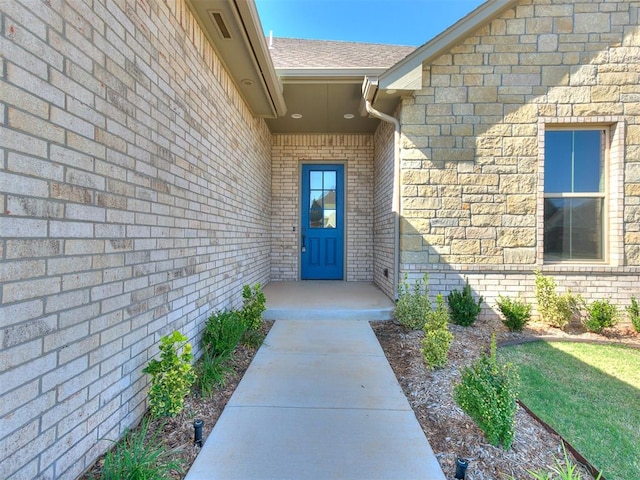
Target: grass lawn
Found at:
590, 394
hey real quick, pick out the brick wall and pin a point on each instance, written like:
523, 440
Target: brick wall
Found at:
135, 199
383, 220
473, 144
288, 152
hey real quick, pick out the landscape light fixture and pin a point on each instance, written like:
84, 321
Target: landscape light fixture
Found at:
461, 468
197, 432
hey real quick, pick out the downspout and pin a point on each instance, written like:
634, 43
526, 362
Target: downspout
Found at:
396, 189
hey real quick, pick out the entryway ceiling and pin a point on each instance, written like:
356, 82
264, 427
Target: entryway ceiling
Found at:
323, 104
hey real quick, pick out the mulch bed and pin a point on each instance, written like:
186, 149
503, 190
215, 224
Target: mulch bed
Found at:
451, 433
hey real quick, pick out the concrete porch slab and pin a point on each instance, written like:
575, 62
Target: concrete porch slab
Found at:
326, 300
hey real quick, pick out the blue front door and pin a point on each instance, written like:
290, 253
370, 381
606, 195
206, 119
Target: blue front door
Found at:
322, 229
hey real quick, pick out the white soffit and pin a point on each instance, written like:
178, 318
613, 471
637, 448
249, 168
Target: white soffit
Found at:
233, 28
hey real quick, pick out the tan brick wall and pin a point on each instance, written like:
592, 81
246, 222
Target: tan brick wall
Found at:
288, 153
383, 220
135, 191
472, 137
591, 283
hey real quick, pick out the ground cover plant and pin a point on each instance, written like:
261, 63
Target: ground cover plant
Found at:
565, 470
555, 309
463, 307
171, 376
253, 306
413, 303
633, 311
139, 456
516, 312
590, 394
437, 338
601, 314
487, 392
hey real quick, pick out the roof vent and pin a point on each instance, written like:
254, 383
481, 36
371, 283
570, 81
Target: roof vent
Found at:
219, 21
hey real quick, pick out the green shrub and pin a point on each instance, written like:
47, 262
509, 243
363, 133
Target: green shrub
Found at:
601, 314
134, 459
212, 372
413, 303
437, 338
464, 309
633, 311
171, 376
556, 310
222, 333
253, 306
487, 393
516, 312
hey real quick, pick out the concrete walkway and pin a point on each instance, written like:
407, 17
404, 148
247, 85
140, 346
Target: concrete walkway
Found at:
319, 401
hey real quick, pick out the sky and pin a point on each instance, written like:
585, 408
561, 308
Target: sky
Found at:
398, 22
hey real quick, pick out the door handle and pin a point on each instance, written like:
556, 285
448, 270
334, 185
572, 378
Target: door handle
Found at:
304, 247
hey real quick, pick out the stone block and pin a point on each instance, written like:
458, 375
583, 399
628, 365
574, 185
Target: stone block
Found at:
413, 114
516, 237
520, 256
411, 243
518, 183
521, 204
592, 22
483, 94
451, 94
465, 247
480, 232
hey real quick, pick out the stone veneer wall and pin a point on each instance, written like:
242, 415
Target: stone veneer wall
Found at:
135, 191
288, 153
473, 147
383, 218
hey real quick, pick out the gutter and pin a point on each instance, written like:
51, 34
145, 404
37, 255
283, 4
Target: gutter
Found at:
369, 89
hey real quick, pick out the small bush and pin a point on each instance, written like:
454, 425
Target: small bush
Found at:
134, 459
222, 333
464, 309
601, 314
437, 338
633, 311
171, 376
516, 312
487, 393
413, 303
556, 310
212, 372
253, 306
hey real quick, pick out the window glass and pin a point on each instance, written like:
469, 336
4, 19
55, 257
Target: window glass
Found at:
329, 180
573, 228
574, 222
573, 161
322, 199
315, 180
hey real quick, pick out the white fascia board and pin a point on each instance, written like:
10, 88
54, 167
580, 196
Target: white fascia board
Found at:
442, 43
327, 72
258, 44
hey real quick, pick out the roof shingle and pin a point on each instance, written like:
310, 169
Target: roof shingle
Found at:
293, 53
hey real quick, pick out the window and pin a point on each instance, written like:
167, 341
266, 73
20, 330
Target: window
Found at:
322, 199
574, 195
